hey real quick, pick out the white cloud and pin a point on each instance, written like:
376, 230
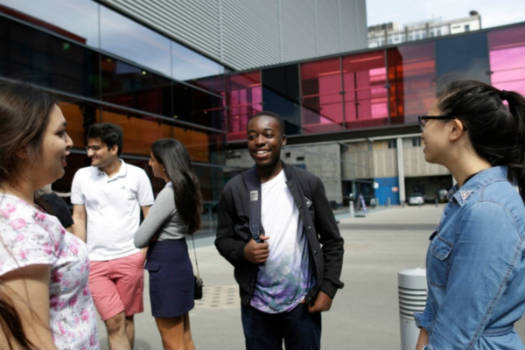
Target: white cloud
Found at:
493, 13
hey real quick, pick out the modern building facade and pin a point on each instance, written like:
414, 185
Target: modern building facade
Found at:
392, 33
104, 67
350, 117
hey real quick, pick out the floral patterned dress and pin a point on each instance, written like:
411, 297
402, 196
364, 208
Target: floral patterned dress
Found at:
29, 236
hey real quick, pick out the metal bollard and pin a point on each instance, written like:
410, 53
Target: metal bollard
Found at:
412, 288
351, 208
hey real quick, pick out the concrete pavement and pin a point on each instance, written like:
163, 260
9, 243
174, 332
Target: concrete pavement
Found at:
364, 314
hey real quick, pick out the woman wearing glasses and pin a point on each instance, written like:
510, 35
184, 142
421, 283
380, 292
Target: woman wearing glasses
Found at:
175, 213
475, 261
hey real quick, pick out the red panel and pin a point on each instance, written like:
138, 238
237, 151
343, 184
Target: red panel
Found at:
322, 101
365, 90
244, 98
412, 80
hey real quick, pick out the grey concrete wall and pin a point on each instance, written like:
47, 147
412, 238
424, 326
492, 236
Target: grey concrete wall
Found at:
323, 160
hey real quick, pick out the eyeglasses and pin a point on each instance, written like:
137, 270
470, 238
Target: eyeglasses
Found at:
422, 119
94, 148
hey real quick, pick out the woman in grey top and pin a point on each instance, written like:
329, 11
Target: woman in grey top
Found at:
175, 213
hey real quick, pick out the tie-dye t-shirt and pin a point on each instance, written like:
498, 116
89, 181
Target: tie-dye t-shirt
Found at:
285, 278
29, 236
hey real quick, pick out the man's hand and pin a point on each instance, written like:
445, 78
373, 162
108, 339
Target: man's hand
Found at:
322, 303
256, 253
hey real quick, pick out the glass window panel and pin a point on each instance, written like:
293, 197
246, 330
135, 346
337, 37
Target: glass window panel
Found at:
130, 86
212, 180
197, 106
507, 58
196, 142
215, 84
131, 40
188, 64
462, 57
43, 59
75, 19
138, 133
75, 122
281, 95
244, 99
322, 100
412, 81
365, 89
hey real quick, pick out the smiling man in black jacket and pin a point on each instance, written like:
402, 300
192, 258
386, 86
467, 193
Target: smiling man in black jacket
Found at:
289, 273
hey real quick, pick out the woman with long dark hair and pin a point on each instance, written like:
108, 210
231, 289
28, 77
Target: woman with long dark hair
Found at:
44, 297
175, 213
476, 258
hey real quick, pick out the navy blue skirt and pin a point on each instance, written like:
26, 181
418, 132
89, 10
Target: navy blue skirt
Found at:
170, 278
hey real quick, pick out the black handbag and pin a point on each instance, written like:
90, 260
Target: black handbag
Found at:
198, 283
197, 287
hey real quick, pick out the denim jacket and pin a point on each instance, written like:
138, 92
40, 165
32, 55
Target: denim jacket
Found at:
475, 267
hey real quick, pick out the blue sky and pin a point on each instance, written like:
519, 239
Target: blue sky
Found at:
493, 12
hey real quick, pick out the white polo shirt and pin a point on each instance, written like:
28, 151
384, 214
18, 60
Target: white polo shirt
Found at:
113, 208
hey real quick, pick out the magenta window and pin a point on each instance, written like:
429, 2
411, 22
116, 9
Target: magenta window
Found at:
507, 58
365, 97
412, 81
244, 98
322, 100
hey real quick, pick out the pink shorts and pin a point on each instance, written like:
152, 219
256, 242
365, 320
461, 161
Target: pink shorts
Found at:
116, 285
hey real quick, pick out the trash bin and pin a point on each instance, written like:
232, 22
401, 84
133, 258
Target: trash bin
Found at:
412, 298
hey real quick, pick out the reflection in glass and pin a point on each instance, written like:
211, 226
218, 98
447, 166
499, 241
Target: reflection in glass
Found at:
141, 131
75, 19
244, 97
34, 56
507, 58
281, 95
75, 122
131, 40
139, 134
215, 84
198, 107
133, 87
462, 57
322, 101
412, 81
188, 64
365, 89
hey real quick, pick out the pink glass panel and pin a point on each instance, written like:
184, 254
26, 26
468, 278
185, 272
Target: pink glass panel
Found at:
244, 98
322, 102
507, 58
364, 77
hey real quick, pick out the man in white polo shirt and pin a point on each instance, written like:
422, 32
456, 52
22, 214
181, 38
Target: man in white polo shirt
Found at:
107, 198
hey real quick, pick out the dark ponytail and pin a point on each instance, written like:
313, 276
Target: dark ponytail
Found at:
516, 104
495, 122
176, 160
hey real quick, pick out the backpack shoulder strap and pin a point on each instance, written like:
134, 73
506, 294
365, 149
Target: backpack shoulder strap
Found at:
253, 184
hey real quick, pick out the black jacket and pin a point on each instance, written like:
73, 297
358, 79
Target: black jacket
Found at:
324, 241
